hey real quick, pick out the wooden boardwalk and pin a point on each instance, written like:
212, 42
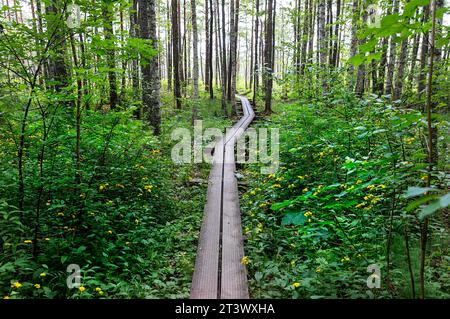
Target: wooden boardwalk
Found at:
219, 273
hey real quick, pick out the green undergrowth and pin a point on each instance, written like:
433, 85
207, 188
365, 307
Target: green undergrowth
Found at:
335, 206
132, 222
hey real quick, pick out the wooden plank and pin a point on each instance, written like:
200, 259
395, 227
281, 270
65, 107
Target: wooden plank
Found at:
206, 276
219, 272
233, 272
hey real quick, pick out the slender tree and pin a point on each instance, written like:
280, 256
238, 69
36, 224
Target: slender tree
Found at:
195, 48
268, 71
175, 54
108, 17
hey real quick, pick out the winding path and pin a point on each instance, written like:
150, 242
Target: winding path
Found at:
219, 272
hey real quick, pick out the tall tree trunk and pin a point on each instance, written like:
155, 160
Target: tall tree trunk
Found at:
57, 69
169, 50
268, 58
233, 55
312, 19
124, 61
224, 57
423, 58
150, 69
255, 60
431, 140
231, 52
401, 70
108, 16
135, 61
176, 54
391, 61
322, 47
195, 47
252, 43
305, 34
211, 19
207, 57
361, 75
336, 35
354, 40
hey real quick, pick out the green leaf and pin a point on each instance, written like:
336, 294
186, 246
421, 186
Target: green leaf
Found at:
293, 219
430, 209
422, 200
278, 206
416, 191
356, 60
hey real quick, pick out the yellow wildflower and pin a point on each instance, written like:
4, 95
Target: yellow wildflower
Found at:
28, 241
60, 214
382, 186
307, 214
318, 270
98, 289
103, 186
16, 285
42, 274
375, 200
359, 181
276, 186
360, 205
148, 188
345, 259
109, 232
37, 286
245, 260
6, 297
316, 193
296, 284
305, 189
82, 288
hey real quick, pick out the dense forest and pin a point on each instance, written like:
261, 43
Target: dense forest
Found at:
92, 204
